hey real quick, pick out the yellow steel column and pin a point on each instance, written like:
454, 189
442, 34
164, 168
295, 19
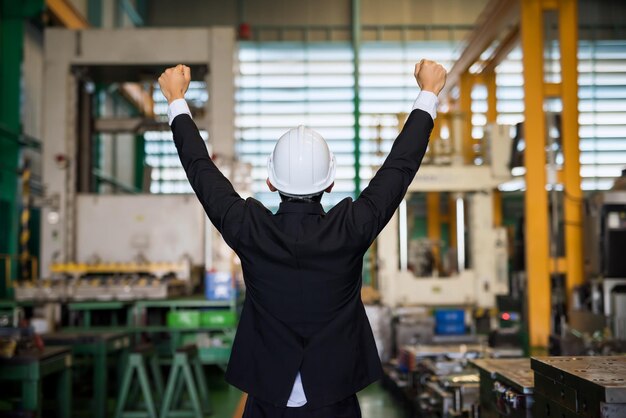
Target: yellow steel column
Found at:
433, 220
568, 34
536, 199
452, 219
490, 82
497, 208
465, 104
492, 116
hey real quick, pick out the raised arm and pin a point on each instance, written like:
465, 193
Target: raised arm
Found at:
383, 195
216, 194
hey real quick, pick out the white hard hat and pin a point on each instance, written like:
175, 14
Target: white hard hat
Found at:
301, 163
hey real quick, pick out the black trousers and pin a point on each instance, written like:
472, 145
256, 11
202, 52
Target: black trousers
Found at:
347, 408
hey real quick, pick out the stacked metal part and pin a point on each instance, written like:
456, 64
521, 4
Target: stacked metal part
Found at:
506, 388
580, 386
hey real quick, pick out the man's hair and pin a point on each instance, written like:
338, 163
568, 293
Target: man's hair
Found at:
317, 197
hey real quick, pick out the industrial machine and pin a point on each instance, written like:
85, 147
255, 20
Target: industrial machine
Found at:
79, 227
606, 225
579, 387
478, 268
140, 251
440, 377
506, 388
596, 322
123, 247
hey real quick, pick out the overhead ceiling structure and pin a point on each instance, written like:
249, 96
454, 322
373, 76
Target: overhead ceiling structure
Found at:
498, 21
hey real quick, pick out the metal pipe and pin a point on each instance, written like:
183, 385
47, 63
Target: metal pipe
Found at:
404, 235
460, 232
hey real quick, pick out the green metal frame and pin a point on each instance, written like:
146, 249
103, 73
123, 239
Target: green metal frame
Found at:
12, 16
137, 365
186, 373
112, 306
29, 374
140, 157
98, 348
94, 13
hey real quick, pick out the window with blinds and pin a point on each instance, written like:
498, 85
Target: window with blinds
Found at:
602, 107
388, 90
282, 84
167, 175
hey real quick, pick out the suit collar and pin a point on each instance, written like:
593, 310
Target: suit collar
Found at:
313, 208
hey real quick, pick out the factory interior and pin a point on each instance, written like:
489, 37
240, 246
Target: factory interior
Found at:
497, 288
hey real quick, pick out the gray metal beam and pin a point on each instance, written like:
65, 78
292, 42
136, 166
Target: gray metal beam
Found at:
498, 16
128, 125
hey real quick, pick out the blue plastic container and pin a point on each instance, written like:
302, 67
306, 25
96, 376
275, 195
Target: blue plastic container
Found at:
218, 285
449, 321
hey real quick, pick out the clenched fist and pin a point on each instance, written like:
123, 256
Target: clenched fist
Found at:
430, 76
174, 82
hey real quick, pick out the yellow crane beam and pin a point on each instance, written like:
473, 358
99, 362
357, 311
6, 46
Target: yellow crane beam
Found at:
498, 17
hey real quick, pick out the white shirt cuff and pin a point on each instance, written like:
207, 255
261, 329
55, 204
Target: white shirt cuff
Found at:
428, 102
177, 107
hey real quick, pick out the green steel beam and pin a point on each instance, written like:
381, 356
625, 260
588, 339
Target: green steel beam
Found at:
97, 138
118, 184
130, 11
140, 156
356, 48
94, 13
12, 16
7, 134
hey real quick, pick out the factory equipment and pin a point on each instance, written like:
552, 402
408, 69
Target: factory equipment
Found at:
440, 377
473, 283
597, 318
128, 248
605, 224
579, 387
82, 228
134, 246
506, 388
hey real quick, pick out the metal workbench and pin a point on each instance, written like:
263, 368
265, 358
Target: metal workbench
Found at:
97, 346
87, 307
216, 356
506, 387
29, 368
588, 387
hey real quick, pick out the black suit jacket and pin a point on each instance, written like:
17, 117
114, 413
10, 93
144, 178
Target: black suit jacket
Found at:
302, 270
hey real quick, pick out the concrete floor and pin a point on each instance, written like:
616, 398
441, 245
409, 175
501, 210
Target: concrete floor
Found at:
374, 400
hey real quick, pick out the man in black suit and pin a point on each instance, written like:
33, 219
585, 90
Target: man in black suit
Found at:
304, 346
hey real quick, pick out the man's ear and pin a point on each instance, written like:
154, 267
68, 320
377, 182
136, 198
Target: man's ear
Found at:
330, 188
271, 186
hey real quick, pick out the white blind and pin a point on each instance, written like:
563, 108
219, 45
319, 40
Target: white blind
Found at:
167, 174
388, 88
280, 85
602, 107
